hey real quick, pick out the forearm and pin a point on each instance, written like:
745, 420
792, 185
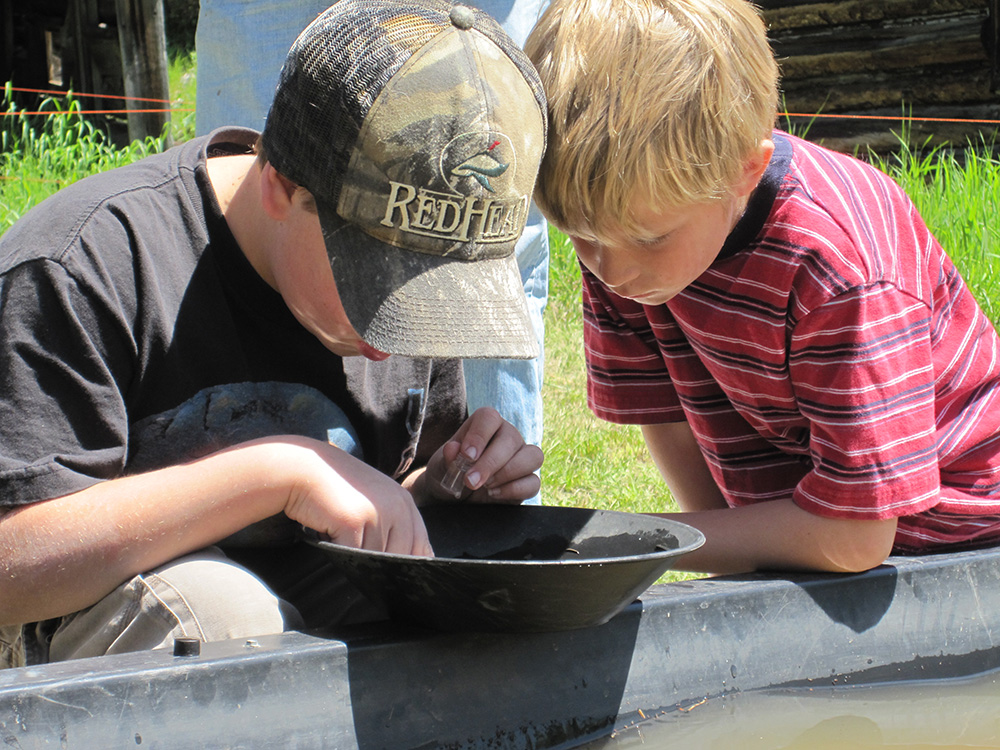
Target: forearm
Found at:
778, 535
64, 554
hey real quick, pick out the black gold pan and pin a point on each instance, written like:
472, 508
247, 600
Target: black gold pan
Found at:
525, 568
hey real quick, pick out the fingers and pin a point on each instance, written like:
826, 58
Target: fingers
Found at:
395, 528
502, 467
499, 466
513, 493
409, 538
481, 429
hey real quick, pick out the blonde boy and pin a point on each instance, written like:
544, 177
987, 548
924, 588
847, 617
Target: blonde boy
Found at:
813, 378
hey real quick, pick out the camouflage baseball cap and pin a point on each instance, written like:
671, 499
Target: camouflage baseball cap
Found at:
418, 126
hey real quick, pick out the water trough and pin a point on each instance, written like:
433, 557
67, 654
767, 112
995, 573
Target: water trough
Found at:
395, 686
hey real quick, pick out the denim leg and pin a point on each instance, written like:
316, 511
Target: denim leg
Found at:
517, 17
241, 46
514, 386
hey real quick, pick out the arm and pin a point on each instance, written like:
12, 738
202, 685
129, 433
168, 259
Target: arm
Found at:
679, 458
776, 535
64, 554
779, 535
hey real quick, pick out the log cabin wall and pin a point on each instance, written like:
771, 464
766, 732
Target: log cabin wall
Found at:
923, 58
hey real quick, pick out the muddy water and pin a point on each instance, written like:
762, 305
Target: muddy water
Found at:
916, 716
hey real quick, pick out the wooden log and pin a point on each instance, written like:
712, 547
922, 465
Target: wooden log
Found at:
142, 37
851, 12
890, 58
6, 40
992, 42
909, 61
806, 33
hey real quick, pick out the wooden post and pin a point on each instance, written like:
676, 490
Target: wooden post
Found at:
993, 44
143, 43
6, 40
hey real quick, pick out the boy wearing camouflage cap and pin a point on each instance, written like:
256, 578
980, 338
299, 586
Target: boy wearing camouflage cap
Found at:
196, 348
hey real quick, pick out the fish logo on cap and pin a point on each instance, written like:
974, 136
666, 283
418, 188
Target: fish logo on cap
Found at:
481, 166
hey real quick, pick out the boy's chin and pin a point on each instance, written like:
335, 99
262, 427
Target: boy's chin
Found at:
653, 298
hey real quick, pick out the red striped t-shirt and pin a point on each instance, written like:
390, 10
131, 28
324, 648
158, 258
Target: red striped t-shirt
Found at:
831, 354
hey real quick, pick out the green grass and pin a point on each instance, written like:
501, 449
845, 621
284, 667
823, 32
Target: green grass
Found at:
588, 463
958, 195
181, 82
39, 154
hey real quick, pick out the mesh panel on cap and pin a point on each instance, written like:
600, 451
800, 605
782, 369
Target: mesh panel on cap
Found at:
331, 79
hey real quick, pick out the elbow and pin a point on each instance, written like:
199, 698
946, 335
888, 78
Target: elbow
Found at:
859, 545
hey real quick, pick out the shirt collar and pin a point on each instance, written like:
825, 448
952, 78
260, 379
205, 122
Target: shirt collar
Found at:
761, 199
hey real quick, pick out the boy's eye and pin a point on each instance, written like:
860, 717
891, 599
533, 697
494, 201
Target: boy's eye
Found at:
652, 241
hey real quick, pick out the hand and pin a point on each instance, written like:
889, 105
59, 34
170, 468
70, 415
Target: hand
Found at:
502, 466
349, 502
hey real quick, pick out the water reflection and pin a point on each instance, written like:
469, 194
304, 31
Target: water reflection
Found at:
933, 714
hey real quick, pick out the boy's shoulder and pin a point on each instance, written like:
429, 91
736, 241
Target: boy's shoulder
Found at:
817, 189
846, 222
828, 174
104, 208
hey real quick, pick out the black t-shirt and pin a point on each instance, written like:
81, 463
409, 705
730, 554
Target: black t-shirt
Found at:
125, 294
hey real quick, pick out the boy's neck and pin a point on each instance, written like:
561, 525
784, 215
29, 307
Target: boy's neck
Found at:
226, 174
235, 180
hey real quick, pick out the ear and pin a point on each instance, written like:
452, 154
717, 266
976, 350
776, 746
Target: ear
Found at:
276, 192
754, 167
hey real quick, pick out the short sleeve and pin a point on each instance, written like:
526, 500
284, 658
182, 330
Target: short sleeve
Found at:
63, 365
863, 374
627, 377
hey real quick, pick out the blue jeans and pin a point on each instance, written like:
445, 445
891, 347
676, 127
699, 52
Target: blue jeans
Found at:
241, 47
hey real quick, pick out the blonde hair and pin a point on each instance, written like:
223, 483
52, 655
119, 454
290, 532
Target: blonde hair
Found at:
660, 101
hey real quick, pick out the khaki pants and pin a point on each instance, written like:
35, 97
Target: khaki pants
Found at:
12, 652
205, 595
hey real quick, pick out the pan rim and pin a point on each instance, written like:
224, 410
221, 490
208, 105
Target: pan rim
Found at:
695, 540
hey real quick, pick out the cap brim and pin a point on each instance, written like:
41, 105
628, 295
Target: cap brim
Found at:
420, 305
